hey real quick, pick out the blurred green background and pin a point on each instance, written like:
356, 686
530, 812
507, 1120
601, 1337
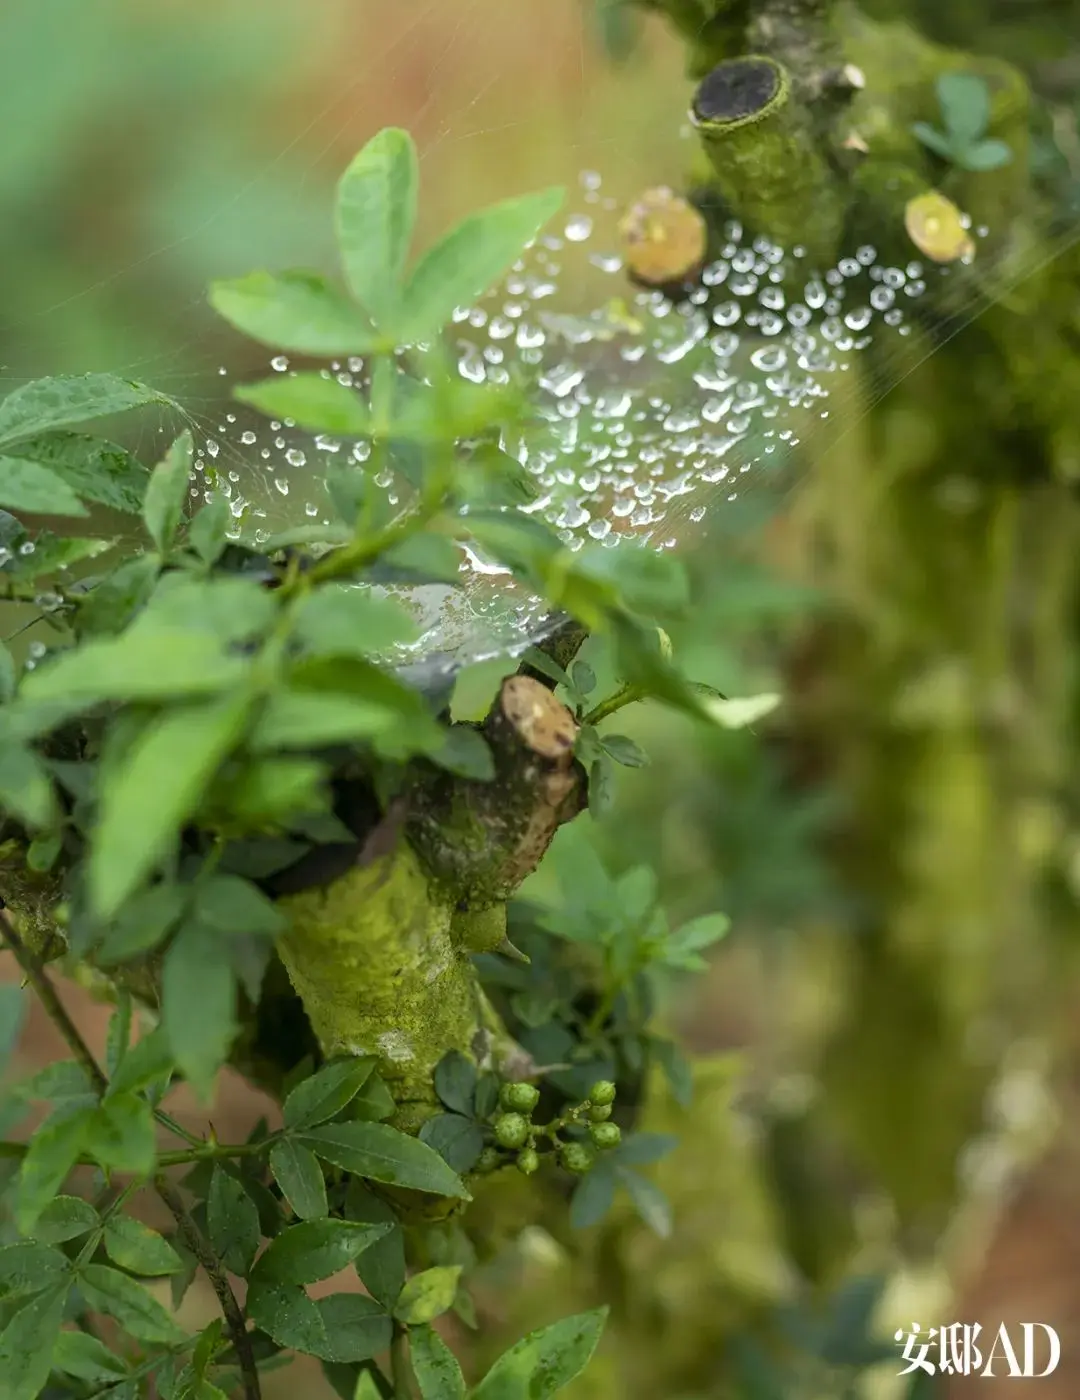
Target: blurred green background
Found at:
899, 848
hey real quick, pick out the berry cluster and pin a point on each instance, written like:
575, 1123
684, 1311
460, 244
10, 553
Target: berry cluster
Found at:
515, 1132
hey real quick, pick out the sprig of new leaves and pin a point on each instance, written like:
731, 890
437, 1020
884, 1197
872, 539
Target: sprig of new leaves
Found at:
964, 100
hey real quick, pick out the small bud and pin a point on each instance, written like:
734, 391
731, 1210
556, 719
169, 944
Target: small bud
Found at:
519, 1098
511, 1130
605, 1135
602, 1092
488, 1160
599, 1112
528, 1161
577, 1157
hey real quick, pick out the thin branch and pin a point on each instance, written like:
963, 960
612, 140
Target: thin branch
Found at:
37, 977
234, 1318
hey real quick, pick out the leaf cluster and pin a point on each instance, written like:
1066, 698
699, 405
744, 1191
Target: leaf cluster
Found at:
964, 101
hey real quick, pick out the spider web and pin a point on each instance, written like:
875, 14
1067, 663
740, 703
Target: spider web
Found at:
655, 416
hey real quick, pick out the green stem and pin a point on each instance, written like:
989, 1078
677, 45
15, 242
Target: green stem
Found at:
625, 695
201, 1152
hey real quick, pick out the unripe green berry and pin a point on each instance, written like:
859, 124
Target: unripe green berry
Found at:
528, 1161
520, 1098
605, 1134
600, 1112
577, 1157
488, 1160
602, 1092
511, 1130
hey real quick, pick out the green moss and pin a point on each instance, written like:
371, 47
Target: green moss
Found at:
373, 959
481, 931
766, 160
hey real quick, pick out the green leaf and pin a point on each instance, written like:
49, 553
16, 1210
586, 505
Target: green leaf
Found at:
365, 1389
466, 753
167, 492
435, 1366
314, 1250
431, 557
270, 790
81, 1355
110, 606
53, 1150
343, 1328
28, 1342
583, 677
295, 311
296, 1170
137, 1248
345, 620
455, 1081
233, 1222
676, 1070
324, 1094
381, 1267
145, 663
458, 1140
154, 791
207, 533
28, 1266
229, 608
601, 787
649, 1202
313, 403
24, 485
624, 751
26, 790
308, 719
232, 905
65, 1218
540, 661
934, 140
374, 1102
13, 1004
549, 1358
95, 470
381, 1153
593, 1197
47, 404
376, 211
109, 1291
470, 258
120, 1135
198, 992
143, 923
965, 105
985, 155
54, 554
428, 1295
640, 1149
686, 943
